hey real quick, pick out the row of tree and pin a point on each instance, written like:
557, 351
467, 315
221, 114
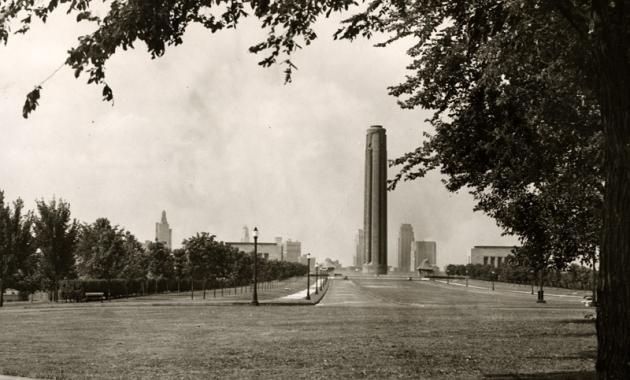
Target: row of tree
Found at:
573, 277
39, 250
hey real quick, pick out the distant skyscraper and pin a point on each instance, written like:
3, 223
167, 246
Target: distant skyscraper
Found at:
163, 232
405, 238
245, 238
359, 242
292, 251
279, 244
424, 253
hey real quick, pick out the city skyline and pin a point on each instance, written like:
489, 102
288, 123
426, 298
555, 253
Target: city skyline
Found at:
222, 143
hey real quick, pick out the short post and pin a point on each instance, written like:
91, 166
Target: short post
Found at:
541, 292
316, 279
492, 279
321, 284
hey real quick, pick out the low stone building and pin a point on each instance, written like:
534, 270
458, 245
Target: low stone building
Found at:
493, 255
270, 251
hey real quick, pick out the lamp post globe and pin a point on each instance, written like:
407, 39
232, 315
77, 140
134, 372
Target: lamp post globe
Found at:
308, 276
255, 292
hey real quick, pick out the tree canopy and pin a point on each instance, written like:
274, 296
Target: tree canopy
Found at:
56, 236
100, 250
17, 248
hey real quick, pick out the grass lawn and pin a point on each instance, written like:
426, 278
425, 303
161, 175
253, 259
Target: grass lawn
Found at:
404, 330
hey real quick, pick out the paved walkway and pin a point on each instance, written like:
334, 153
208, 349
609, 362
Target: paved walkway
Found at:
347, 293
302, 293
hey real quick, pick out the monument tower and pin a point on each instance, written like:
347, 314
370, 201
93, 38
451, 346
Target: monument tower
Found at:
375, 206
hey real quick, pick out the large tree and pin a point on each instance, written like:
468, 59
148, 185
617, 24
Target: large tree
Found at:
100, 250
16, 244
460, 46
56, 236
135, 261
159, 260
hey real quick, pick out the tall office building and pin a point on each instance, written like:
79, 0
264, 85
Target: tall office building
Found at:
279, 244
292, 251
423, 253
375, 201
245, 238
359, 243
163, 232
405, 238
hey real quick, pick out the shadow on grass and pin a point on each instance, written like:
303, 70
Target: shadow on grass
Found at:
589, 354
578, 334
580, 375
584, 321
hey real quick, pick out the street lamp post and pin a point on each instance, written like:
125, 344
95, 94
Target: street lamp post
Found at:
255, 293
316, 279
308, 276
492, 274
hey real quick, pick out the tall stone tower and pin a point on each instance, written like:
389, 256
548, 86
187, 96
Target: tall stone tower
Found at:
405, 238
375, 206
163, 232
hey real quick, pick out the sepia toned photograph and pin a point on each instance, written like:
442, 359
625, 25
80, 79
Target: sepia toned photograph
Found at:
306, 189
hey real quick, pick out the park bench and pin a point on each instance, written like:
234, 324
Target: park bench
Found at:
94, 296
587, 301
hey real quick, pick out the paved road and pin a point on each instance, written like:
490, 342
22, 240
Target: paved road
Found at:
395, 292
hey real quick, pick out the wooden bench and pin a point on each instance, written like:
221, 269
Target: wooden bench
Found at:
94, 296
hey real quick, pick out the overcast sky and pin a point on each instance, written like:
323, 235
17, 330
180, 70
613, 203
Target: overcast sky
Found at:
219, 143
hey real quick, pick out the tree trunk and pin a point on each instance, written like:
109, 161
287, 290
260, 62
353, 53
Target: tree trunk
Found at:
1, 292
613, 294
613, 288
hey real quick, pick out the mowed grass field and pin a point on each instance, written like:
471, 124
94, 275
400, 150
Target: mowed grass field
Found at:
363, 328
